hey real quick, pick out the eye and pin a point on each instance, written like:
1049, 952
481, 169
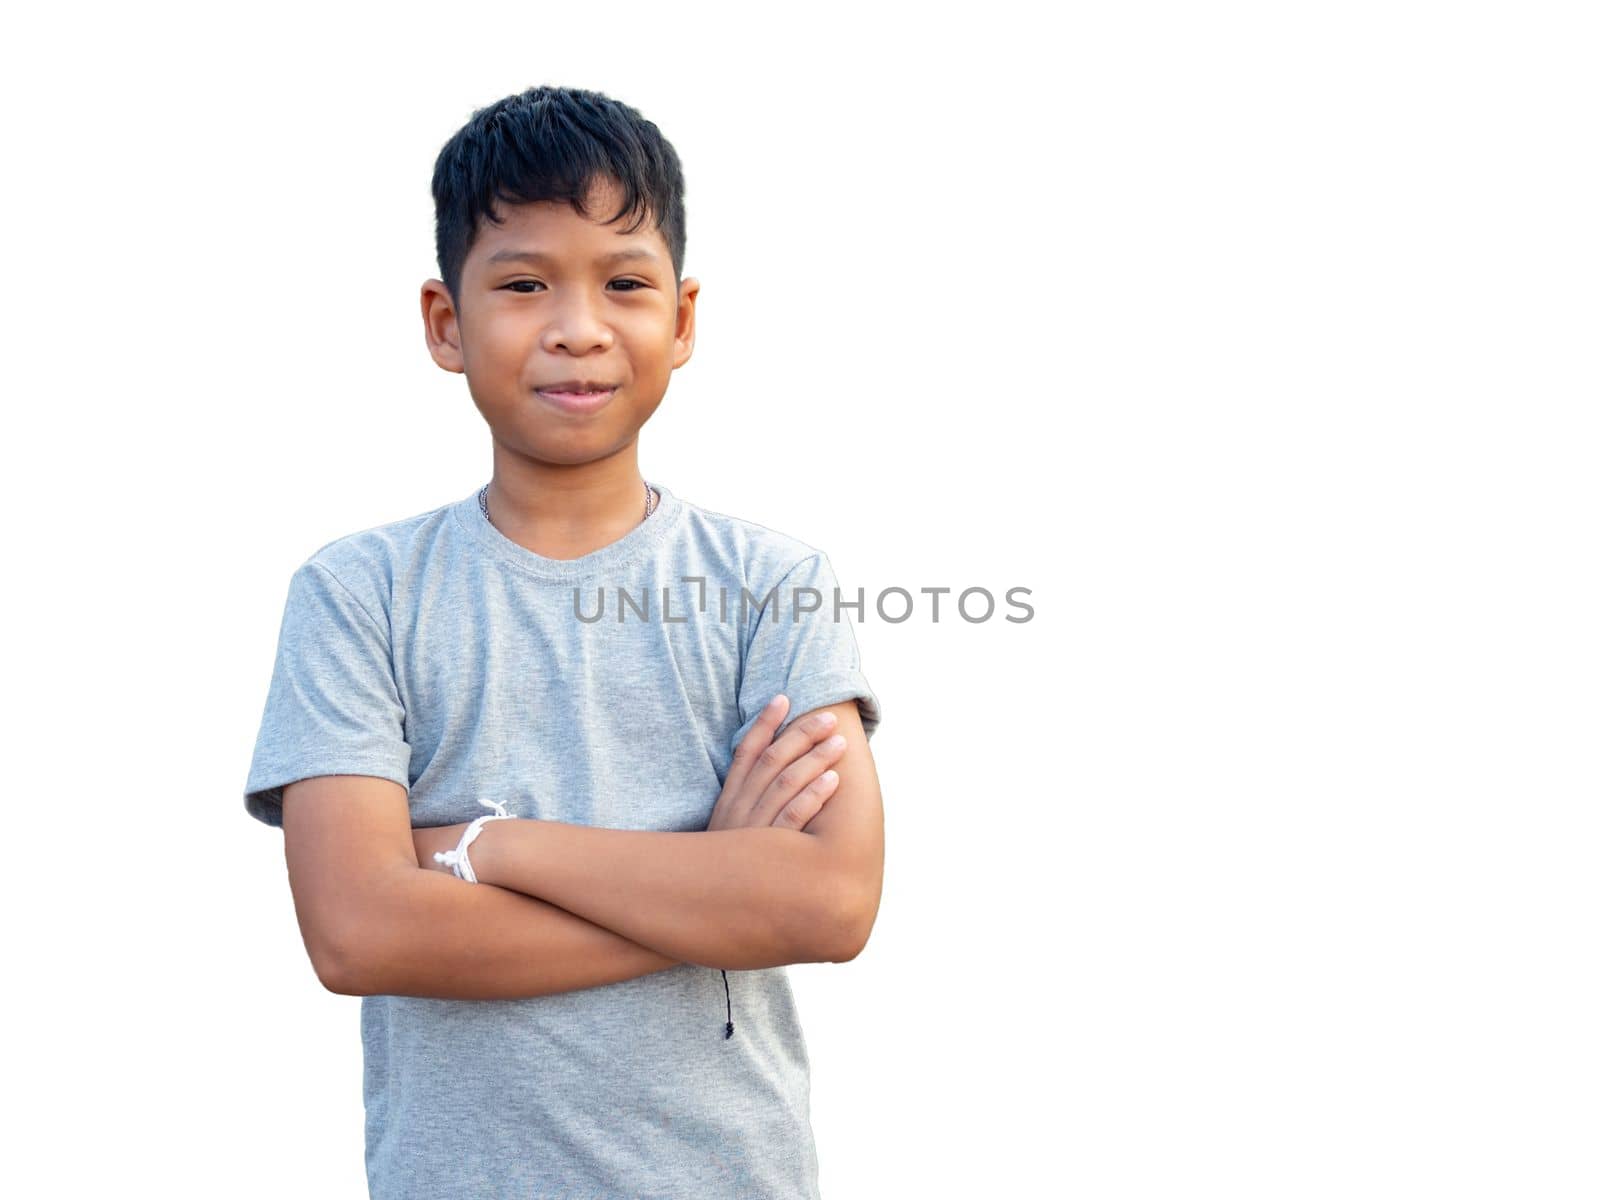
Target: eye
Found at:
524, 287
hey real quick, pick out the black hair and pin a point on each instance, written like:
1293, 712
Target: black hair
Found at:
553, 143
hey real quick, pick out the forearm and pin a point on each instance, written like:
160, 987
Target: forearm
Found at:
739, 899
428, 934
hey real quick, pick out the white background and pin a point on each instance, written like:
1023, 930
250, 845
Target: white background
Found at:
1257, 340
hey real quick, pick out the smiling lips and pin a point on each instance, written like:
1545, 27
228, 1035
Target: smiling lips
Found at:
577, 395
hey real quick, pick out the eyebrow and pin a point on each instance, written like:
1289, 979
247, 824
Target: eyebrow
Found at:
536, 256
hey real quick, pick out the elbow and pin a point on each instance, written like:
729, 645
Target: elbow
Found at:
849, 924
353, 951
343, 964
847, 951
839, 907
339, 976
334, 971
854, 943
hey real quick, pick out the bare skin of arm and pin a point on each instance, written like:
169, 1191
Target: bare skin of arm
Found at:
752, 891
486, 943
375, 923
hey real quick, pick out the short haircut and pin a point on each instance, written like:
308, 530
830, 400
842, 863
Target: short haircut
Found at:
553, 143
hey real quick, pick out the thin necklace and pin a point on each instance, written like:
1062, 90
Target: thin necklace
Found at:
649, 501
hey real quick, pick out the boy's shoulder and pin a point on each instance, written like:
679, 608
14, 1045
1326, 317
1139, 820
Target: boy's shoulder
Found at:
758, 551
379, 541
367, 560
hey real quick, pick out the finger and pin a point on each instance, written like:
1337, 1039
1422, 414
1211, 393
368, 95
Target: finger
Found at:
802, 737
754, 742
798, 812
798, 775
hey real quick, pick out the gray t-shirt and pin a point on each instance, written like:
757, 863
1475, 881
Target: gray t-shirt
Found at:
436, 652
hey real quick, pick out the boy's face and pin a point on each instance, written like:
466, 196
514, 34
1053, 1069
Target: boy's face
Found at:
550, 298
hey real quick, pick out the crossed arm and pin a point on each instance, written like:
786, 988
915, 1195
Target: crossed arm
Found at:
560, 906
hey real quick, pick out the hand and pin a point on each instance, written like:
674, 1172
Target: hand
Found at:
440, 837
781, 783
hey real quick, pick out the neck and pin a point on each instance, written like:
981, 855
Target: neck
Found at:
563, 511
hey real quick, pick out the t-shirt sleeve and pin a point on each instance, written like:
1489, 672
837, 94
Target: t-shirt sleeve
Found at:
332, 706
811, 657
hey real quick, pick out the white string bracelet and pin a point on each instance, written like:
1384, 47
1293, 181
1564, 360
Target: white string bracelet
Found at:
457, 859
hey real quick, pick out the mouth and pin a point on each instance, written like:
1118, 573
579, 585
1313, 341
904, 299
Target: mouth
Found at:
577, 395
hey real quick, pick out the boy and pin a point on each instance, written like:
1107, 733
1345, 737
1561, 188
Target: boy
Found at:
582, 993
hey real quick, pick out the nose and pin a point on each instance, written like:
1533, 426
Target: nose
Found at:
575, 327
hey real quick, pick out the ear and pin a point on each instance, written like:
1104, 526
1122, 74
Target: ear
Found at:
441, 327
683, 335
